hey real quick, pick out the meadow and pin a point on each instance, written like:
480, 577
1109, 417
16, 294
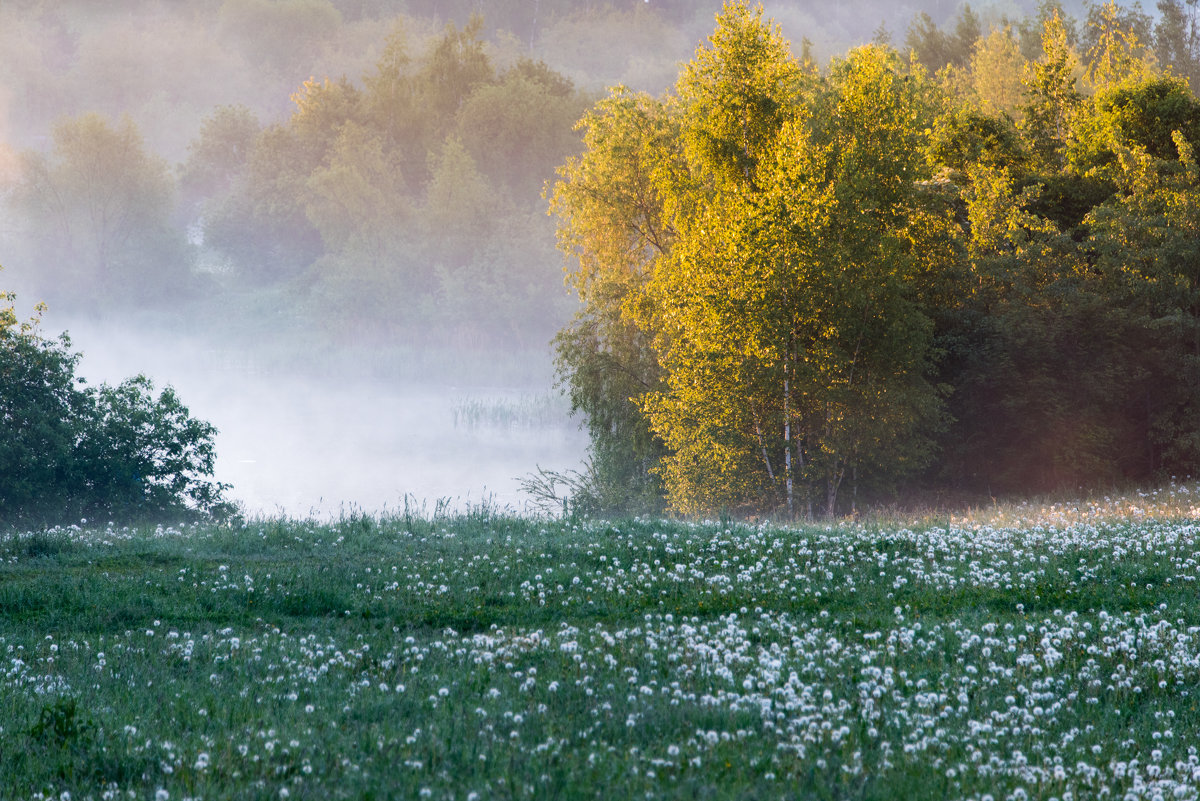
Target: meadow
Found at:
1017, 652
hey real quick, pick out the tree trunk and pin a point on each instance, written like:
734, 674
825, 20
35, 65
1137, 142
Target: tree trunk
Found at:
787, 441
762, 446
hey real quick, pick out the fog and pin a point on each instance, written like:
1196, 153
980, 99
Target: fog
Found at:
328, 271
303, 445
168, 64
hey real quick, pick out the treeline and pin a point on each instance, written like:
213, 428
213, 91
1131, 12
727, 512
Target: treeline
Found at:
971, 268
398, 201
401, 206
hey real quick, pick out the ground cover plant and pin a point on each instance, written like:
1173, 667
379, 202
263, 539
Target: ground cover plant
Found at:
1015, 653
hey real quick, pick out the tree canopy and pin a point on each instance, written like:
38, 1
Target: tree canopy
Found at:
872, 279
71, 452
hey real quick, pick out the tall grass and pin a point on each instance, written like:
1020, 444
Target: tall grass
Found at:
521, 412
1020, 652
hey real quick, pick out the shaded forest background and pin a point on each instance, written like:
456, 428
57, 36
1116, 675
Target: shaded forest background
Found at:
875, 250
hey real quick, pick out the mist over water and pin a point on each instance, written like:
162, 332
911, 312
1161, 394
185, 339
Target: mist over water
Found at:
308, 445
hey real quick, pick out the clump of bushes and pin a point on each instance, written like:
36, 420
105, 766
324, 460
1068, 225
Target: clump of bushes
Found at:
69, 451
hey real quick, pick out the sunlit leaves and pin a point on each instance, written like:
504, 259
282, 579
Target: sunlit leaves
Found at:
996, 68
786, 318
613, 227
1051, 93
735, 95
1117, 44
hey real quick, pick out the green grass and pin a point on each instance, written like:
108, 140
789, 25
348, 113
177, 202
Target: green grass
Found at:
1023, 652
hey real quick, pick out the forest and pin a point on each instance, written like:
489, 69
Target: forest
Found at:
948, 256
349, 173
959, 270
402, 207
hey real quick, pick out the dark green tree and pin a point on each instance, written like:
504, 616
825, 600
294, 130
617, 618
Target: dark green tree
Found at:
68, 451
39, 399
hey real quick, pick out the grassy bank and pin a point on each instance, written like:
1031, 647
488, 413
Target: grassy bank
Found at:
1024, 652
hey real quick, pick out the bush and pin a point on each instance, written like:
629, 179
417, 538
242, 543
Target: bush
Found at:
68, 451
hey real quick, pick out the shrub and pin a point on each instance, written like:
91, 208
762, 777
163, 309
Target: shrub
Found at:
68, 451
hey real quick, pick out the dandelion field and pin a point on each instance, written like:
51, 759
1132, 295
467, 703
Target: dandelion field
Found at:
1018, 653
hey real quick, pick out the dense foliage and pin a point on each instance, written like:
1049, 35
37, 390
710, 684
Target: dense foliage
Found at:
69, 452
797, 284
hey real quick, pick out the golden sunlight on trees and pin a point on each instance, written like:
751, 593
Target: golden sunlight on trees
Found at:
781, 308
996, 68
961, 268
1051, 92
613, 228
796, 350
804, 289
1117, 46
